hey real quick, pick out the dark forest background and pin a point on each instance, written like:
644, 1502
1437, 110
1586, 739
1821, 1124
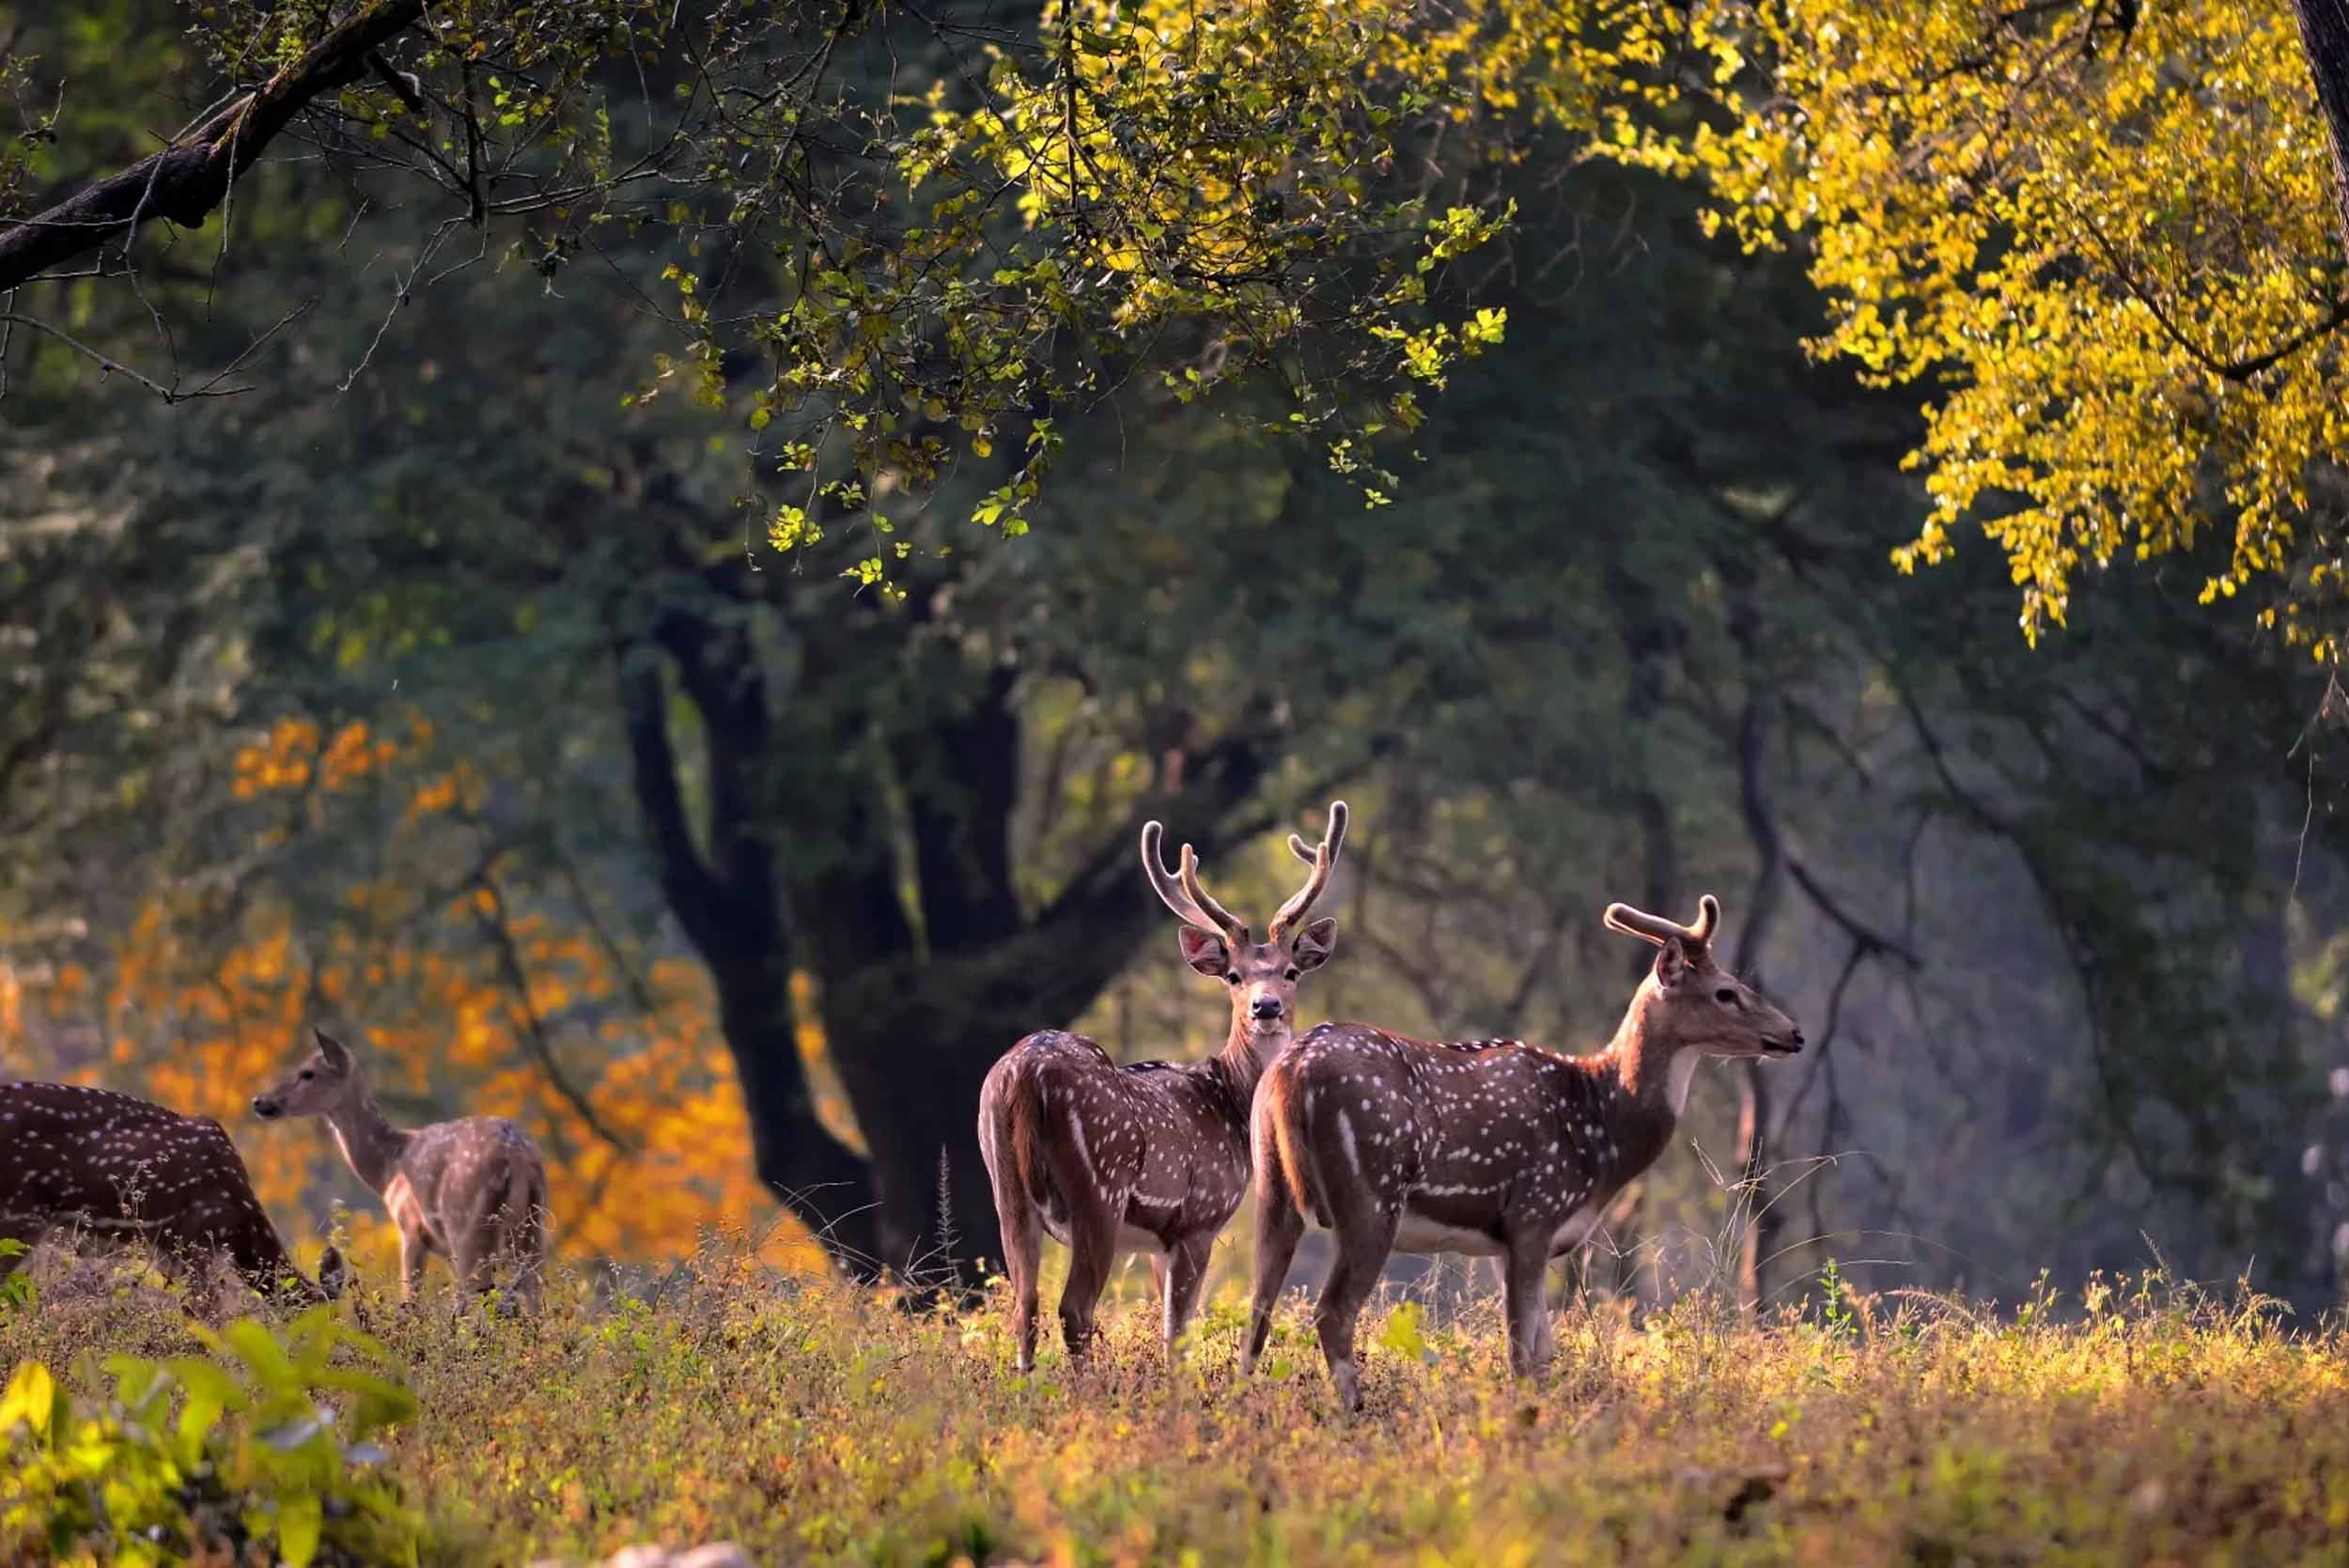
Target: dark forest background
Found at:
2066, 924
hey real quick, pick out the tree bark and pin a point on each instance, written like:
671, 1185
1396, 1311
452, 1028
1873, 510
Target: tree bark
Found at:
734, 919
796, 866
2325, 39
913, 1034
186, 180
1759, 1244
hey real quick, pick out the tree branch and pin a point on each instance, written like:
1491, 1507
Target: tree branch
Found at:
694, 893
185, 182
494, 927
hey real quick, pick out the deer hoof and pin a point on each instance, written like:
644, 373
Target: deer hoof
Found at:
1349, 1387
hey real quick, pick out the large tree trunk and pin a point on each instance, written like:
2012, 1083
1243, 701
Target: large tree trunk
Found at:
2325, 36
797, 864
1758, 1246
729, 902
912, 1052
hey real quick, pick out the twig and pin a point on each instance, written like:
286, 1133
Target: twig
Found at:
111, 366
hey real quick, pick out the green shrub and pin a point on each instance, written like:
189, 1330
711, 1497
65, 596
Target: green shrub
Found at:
262, 1442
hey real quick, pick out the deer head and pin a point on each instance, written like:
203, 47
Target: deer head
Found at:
1693, 1003
1261, 975
325, 1083
333, 1273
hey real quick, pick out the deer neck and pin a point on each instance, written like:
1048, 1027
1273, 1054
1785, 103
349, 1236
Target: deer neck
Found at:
1246, 1054
1651, 1068
369, 1141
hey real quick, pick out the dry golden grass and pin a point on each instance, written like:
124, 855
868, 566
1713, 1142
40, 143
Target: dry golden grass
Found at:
821, 1423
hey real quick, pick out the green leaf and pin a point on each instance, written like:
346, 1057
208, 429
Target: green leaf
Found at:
299, 1517
257, 1348
31, 1398
376, 1403
1403, 1334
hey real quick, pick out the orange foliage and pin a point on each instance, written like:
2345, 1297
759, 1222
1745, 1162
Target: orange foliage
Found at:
651, 1155
292, 755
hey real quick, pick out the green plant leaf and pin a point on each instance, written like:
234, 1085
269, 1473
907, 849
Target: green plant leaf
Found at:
31, 1398
299, 1517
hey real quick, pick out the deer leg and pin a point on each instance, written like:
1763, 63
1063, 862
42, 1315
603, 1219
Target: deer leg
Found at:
522, 1237
527, 1250
1546, 1321
413, 1249
1185, 1271
473, 1260
1023, 1256
1365, 1235
1523, 1269
1092, 1252
1279, 1227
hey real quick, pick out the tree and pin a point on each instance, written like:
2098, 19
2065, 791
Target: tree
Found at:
2107, 237
1628, 632
1082, 197
927, 807
477, 992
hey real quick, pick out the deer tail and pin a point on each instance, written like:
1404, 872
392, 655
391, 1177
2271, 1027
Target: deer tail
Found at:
1280, 1144
1015, 1135
1010, 1132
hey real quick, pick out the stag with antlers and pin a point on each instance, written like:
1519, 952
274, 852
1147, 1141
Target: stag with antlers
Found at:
1153, 1156
76, 1159
1490, 1148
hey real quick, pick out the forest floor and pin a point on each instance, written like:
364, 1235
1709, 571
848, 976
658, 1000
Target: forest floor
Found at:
819, 1424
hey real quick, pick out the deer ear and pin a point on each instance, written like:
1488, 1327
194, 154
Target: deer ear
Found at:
338, 1057
1316, 944
1204, 951
1671, 962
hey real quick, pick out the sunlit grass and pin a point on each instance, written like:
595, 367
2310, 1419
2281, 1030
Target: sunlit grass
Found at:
819, 1422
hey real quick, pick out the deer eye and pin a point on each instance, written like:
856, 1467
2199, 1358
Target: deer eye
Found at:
1725, 996
307, 1073
1231, 979
1291, 974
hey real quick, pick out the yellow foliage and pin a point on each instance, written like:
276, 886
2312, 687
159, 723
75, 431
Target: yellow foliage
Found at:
2111, 258
2108, 252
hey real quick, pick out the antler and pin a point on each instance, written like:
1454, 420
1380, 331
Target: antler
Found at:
1182, 893
1655, 929
1321, 859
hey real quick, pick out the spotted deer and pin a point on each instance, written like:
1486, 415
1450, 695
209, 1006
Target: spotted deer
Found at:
80, 1160
474, 1190
1485, 1147
1154, 1156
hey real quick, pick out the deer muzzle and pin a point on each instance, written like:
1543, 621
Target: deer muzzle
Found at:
265, 1108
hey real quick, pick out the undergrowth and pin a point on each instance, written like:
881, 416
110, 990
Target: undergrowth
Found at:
817, 1422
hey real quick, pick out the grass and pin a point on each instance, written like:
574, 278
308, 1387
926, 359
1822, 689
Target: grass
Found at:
816, 1422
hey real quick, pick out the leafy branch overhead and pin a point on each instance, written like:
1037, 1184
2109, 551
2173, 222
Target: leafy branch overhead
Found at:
2106, 239
895, 240
907, 245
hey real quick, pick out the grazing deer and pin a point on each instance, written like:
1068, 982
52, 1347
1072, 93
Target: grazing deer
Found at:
75, 1158
1152, 1156
1486, 1147
474, 1190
